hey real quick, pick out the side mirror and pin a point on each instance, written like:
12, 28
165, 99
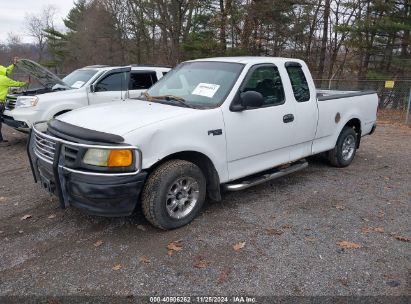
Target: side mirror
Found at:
249, 99
92, 88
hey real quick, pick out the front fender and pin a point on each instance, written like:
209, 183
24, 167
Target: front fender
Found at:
51, 113
187, 133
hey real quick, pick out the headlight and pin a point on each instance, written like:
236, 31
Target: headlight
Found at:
26, 101
108, 158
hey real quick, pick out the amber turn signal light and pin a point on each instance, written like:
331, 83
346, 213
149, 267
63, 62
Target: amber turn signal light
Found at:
120, 158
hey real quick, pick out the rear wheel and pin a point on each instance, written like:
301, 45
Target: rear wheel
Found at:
173, 194
343, 153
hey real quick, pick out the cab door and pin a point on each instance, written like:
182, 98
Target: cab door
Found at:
306, 111
260, 138
111, 86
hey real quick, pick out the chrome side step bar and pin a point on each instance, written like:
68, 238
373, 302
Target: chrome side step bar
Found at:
256, 180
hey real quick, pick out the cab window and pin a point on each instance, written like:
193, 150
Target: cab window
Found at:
267, 81
142, 80
112, 82
299, 82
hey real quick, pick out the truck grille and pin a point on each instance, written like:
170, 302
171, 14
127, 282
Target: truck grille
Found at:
44, 148
10, 102
67, 155
70, 155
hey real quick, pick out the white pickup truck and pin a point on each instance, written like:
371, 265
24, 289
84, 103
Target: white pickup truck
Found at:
87, 86
209, 125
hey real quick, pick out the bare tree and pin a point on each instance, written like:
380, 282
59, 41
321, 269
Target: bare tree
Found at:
225, 9
37, 24
337, 38
13, 39
324, 39
14, 44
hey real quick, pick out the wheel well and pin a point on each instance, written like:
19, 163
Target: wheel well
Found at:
61, 112
355, 123
206, 166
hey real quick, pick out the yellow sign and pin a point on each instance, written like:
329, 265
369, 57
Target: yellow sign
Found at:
389, 84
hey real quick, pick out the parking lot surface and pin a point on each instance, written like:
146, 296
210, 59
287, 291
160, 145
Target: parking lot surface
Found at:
321, 231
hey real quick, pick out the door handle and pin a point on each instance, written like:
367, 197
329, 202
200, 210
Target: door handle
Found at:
288, 118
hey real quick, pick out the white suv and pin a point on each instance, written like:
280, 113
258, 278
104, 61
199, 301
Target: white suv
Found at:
87, 86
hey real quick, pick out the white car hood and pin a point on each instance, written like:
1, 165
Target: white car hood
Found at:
122, 117
57, 94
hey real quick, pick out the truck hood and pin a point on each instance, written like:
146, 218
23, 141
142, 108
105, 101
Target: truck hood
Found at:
43, 76
122, 117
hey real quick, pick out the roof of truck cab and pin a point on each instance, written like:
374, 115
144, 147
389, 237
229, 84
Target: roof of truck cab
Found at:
149, 68
96, 66
100, 67
133, 68
249, 59
151, 65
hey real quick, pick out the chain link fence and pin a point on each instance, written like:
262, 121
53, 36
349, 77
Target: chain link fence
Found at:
393, 102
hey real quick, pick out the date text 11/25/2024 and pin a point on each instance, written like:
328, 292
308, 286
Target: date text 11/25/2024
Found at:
203, 299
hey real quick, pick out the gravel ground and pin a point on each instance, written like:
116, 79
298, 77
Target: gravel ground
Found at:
291, 228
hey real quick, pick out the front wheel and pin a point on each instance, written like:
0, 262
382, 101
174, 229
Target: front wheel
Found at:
173, 194
343, 153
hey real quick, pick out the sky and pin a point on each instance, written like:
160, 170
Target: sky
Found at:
13, 13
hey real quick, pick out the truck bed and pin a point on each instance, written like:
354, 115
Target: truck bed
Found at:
335, 108
335, 94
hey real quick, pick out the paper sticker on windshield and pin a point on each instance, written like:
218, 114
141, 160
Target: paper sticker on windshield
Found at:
206, 89
77, 84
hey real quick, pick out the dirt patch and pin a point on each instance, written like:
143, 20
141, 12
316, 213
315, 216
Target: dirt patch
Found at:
394, 117
322, 231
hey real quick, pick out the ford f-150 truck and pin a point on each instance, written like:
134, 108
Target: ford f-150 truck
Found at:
208, 126
86, 86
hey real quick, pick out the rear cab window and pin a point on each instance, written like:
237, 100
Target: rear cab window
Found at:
142, 80
299, 83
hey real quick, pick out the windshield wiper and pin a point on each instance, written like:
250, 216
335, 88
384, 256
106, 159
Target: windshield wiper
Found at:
178, 99
147, 96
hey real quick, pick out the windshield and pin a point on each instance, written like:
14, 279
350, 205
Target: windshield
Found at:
198, 84
78, 78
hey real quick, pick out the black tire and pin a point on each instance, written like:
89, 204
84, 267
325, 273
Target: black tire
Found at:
335, 156
154, 199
